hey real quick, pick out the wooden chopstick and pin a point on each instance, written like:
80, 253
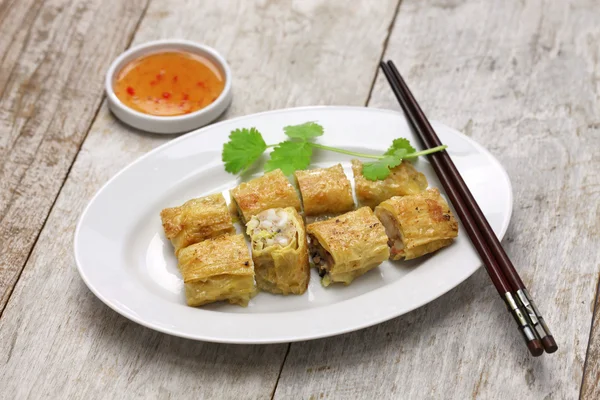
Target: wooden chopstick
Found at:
438, 160
431, 139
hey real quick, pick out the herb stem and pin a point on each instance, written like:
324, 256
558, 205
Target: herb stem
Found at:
353, 153
425, 152
348, 152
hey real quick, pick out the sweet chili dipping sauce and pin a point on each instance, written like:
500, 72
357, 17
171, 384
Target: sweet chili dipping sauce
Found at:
168, 84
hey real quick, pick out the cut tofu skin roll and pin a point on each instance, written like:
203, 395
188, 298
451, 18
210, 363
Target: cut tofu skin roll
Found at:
218, 269
417, 225
325, 191
347, 246
403, 180
272, 190
197, 220
279, 251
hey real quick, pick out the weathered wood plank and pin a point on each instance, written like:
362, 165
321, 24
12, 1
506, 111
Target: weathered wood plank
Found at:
53, 56
590, 388
523, 79
54, 333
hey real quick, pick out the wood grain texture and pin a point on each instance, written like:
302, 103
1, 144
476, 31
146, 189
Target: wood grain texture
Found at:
523, 79
590, 388
63, 342
53, 56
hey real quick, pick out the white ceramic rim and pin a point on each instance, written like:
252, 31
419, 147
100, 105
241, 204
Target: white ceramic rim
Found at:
124, 311
147, 48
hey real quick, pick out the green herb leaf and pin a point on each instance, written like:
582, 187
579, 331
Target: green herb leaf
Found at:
245, 146
400, 144
304, 131
380, 169
290, 156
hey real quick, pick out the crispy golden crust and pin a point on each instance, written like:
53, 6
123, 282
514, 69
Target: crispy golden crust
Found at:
272, 190
197, 220
284, 270
356, 242
424, 221
404, 180
325, 190
217, 269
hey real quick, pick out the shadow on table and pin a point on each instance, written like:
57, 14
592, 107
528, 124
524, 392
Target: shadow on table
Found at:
397, 349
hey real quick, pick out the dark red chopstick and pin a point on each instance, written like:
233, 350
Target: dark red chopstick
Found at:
431, 139
493, 264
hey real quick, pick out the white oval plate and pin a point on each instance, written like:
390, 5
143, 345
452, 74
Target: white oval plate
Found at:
125, 259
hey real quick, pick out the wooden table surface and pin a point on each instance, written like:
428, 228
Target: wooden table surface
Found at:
520, 77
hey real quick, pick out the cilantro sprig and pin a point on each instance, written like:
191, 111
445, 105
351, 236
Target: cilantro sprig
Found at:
290, 156
246, 146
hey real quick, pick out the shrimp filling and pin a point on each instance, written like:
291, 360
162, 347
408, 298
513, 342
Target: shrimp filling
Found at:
271, 228
393, 233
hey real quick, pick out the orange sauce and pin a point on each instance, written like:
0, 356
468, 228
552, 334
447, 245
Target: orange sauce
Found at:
170, 83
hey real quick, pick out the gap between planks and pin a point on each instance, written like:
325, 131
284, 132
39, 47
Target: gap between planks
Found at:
385, 45
375, 75
62, 184
287, 352
586, 361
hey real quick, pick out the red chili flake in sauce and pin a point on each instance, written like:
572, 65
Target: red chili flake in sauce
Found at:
159, 83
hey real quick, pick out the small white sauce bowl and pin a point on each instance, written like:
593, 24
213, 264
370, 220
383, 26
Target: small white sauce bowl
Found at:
171, 124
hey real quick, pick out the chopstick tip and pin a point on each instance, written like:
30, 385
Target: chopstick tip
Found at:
535, 347
549, 344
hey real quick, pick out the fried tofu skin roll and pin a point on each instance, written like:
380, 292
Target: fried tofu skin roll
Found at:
325, 191
347, 246
272, 190
404, 180
218, 269
279, 251
417, 225
197, 220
